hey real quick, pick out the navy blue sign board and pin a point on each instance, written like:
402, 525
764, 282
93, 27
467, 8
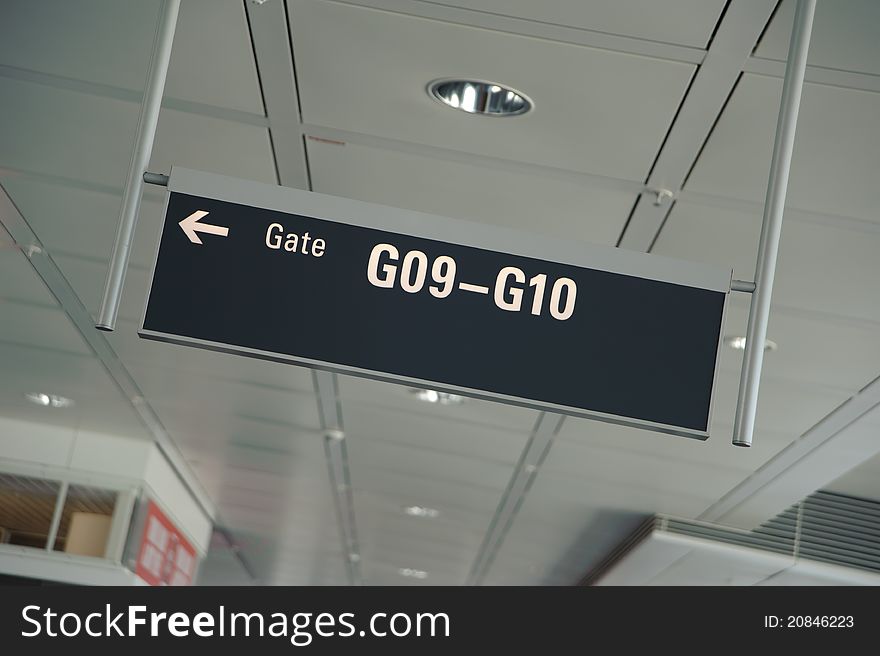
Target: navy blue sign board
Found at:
431, 302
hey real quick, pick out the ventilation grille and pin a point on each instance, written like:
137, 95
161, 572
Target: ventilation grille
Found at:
826, 527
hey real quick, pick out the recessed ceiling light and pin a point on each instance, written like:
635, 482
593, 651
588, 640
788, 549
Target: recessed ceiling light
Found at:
421, 511
413, 573
478, 97
433, 396
48, 400
739, 343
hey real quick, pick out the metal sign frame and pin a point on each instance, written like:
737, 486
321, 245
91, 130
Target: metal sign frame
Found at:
421, 225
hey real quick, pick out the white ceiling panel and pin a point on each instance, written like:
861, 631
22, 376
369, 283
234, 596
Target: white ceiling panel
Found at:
212, 61
373, 476
109, 42
812, 348
562, 529
608, 116
87, 277
64, 133
565, 209
844, 35
212, 144
836, 152
717, 451
683, 22
436, 436
102, 41
398, 398
19, 281
42, 327
824, 266
83, 223
784, 406
99, 406
43, 141
214, 397
640, 483
862, 481
144, 354
451, 468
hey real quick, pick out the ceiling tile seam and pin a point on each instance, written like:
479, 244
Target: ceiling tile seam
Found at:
4, 342
62, 181
270, 38
287, 139
793, 213
76, 311
863, 84
547, 426
536, 29
718, 21
629, 218
330, 416
770, 20
293, 71
820, 75
592, 180
650, 178
247, 21
343, 503
109, 92
527, 483
27, 303
710, 90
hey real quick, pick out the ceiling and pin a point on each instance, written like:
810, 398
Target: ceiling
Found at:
330, 96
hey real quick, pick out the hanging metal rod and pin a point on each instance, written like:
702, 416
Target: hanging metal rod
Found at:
771, 229
140, 159
158, 179
742, 286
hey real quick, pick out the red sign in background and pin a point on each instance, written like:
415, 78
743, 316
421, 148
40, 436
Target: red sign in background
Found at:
165, 556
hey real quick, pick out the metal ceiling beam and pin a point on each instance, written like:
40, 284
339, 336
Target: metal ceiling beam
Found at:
533, 454
715, 80
270, 38
20, 230
273, 52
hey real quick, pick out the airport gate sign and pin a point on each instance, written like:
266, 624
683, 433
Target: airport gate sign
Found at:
431, 302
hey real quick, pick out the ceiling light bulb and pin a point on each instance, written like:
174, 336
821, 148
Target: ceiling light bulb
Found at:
476, 97
48, 400
739, 343
412, 573
433, 396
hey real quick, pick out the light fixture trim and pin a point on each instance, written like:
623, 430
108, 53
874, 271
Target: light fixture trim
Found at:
479, 97
49, 400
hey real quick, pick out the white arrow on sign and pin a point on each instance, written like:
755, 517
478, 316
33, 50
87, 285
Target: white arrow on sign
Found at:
191, 226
